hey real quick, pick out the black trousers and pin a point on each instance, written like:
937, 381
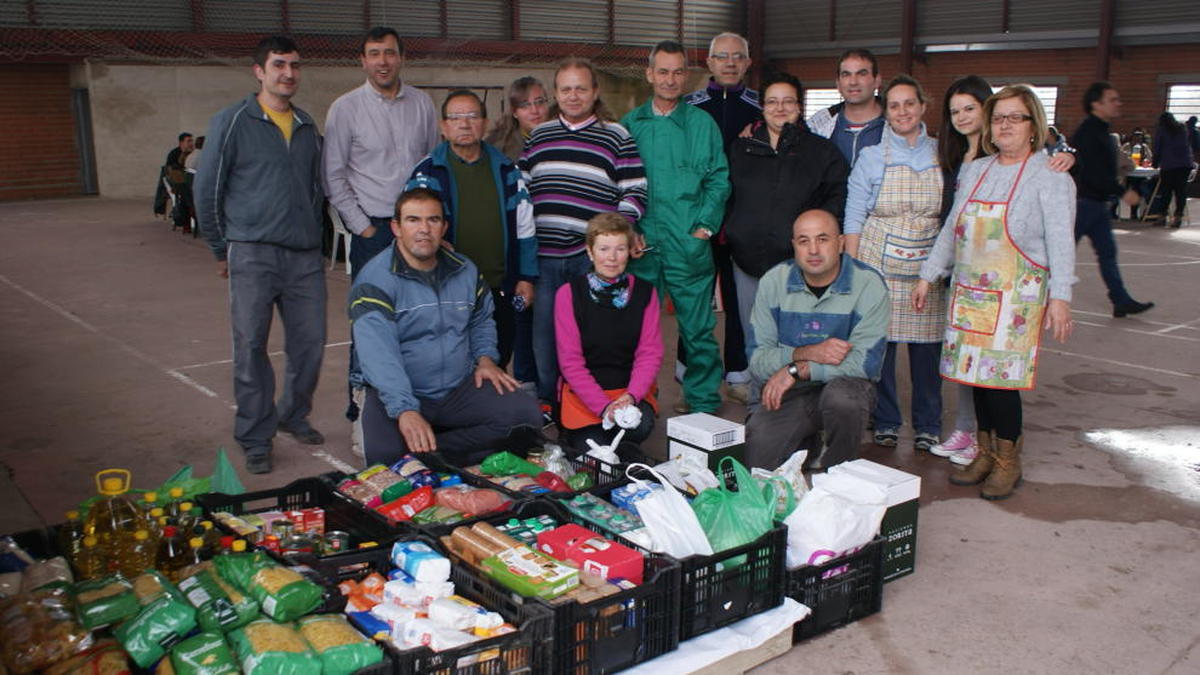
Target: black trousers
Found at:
999, 411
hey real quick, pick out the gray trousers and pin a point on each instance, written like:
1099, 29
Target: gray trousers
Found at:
466, 422
747, 288
261, 278
839, 407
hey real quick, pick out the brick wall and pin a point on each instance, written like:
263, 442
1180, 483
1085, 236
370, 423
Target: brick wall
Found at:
37, 133
1134, 71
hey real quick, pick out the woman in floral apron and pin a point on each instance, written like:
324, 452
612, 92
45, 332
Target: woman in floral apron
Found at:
892, 208
1011, 256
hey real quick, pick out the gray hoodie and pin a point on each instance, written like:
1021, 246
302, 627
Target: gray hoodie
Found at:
254, 186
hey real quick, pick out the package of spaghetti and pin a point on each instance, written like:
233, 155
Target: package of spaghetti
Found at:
100, 602
166, 617
203, 654
282, 593
265, 647
220, 607
342, 649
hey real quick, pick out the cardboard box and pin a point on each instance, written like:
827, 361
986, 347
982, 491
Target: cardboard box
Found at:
593, 552
705, 431
900, 520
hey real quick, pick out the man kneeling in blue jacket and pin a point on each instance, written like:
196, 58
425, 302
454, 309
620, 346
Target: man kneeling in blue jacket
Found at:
423, 330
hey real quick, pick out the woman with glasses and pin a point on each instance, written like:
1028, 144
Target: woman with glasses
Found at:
527, 108
1010, 255
777, 173
892, 209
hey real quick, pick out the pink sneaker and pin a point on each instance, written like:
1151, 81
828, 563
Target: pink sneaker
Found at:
966, 455
958, 442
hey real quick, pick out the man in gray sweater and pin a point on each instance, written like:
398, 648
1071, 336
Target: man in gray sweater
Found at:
258, 204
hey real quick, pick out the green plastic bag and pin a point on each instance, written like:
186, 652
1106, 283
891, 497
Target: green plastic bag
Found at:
341, 648
508, 464
165, 618
204, 654
100, 602
219, 606
733, 518
268, 648
283, 594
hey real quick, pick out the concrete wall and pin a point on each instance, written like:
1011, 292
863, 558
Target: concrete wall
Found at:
139, 110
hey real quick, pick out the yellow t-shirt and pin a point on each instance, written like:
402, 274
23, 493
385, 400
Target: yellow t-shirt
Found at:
283, 120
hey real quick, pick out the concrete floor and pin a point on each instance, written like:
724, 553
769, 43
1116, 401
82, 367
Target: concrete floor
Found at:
114, 341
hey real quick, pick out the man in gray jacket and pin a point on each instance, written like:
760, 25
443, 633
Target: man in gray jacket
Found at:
258, 204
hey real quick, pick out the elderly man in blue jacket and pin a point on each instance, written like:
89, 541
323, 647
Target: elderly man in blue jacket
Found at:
426, 341
258, 204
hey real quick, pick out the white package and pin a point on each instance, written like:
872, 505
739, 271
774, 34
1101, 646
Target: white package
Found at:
416, 594
462, 614
841, 513
394, 615
427, 633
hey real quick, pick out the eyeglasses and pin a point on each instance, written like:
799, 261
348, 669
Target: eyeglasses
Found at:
1013, 118
533, 102
781, 103
462, 116
726, 56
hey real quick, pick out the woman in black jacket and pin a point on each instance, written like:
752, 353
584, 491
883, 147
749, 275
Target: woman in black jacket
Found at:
778, 172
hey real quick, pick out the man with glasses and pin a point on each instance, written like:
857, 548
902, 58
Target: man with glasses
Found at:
688, 177
857, 122
488, 214
733, 106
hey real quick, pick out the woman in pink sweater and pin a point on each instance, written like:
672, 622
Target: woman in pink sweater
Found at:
608, 340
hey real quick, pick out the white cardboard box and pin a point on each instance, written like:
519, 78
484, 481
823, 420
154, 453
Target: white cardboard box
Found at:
707, 432
901, 486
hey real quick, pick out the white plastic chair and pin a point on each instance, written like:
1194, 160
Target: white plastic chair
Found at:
340, 236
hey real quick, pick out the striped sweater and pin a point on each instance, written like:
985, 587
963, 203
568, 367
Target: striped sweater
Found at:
574, 174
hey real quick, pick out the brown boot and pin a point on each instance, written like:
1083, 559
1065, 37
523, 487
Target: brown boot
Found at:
1007, 475
980, 467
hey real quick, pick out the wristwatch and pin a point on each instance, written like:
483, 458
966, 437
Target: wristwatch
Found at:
794, 371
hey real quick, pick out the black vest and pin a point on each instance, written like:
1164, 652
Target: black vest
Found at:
609, 336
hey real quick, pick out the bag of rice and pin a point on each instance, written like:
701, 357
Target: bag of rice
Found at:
203, 654
165, 618
219, 606
100, 602
268, 648
342, 649
283, 594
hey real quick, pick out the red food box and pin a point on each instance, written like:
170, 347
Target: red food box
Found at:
594, 553
403, 508
314, 520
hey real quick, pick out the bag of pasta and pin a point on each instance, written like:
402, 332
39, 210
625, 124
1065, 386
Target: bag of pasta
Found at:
342, 649
283, 594
265, 647
38, 630
220, 607
203, 654
165, 618
100, 602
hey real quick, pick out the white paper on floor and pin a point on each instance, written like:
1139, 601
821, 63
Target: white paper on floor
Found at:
709, 648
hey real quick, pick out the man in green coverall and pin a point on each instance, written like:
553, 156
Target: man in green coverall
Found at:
688, 183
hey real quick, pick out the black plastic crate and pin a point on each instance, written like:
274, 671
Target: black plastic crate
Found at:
514, 653
840, 591
341, 513
606, 635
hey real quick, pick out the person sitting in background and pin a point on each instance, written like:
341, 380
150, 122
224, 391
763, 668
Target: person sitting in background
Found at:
819, 333
606, 326
421, 318
1173, 158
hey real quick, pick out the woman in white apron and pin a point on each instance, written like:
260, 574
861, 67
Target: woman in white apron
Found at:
1011, 255
892, 207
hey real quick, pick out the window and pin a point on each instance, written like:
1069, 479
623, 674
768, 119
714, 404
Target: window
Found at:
816, 99
1183, 100
1047, 95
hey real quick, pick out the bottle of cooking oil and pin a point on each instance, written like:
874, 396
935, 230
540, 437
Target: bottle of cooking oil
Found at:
70, 536
184, 520
139, 556
114, 519
171, 510
198, 552
149, 503
155, 521
172, 555
91, 562
212, 536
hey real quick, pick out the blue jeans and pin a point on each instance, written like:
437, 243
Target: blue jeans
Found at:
926, 389
524, 362
552, 273
1092, 220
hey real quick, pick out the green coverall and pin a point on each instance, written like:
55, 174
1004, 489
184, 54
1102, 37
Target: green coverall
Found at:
687, 179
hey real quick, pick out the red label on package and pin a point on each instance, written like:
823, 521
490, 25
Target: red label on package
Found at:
404, 508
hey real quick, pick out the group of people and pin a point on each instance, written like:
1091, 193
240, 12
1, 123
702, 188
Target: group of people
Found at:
552, 243
177, 171
1174, 150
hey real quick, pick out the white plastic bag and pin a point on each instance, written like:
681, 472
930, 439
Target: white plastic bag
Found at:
669, 519
687, 474
790, 473
840, 514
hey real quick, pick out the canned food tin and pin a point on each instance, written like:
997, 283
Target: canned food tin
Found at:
336, 541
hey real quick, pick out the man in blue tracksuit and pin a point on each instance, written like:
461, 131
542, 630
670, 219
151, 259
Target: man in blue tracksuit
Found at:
421, 316
258, 204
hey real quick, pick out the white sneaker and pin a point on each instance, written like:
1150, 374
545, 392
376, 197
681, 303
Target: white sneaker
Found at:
965, 456
959, 441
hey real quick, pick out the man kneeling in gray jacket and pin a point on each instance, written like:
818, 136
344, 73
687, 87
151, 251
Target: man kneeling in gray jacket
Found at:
423, 330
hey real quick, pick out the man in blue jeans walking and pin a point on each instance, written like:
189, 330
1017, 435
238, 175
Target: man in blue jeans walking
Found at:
1096, 183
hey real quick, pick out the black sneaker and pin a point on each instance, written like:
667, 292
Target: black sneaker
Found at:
887, 438
258, 460
302, 431
1133, 307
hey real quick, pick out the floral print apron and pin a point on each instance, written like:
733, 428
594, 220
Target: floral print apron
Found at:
994, 322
